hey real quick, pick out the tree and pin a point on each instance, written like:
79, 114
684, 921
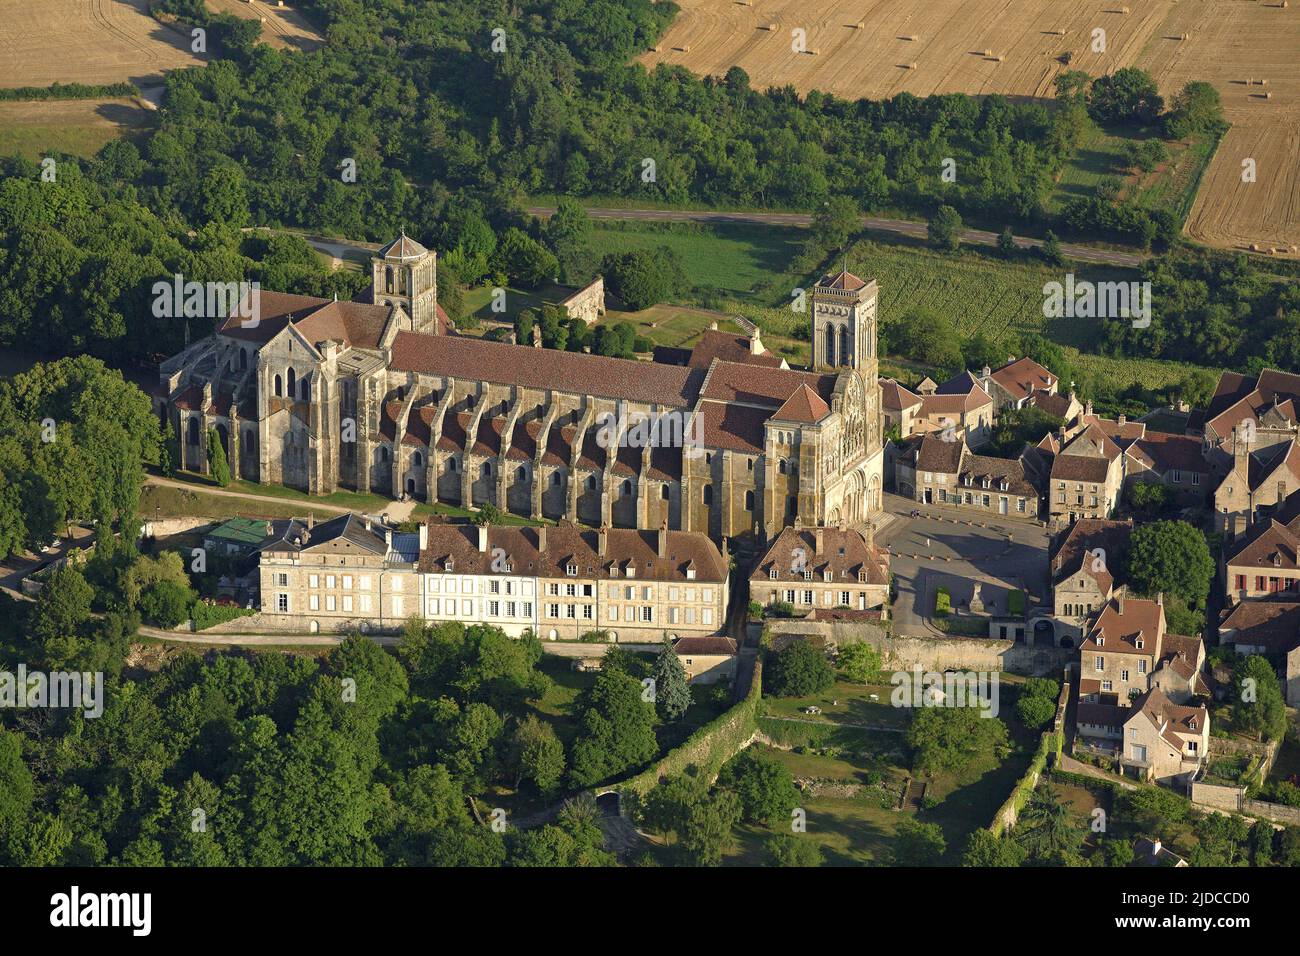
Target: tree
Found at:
1170, 557
1196, 109
537, 754
918, 844
644, 277
1129, 95
927, 337
524, 259
1258, 706
944, 229
834, 221
860, 663
166, 604
567, 233
952, 738
799, 670
1045, 829
765, 787
1007, 243
1050, 250
217, 463
62, 610
615, 732
672, 692
1035, 712
524, 320
786, 849
986, 849
708, 828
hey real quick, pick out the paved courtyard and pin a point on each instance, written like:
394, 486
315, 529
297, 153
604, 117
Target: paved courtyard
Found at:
957, 547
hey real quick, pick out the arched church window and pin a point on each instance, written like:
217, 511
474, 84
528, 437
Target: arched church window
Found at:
277, 386
291, 382
844, 344
708, 494
388, 278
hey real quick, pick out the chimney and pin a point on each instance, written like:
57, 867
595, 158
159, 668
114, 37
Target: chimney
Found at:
482, 538
424, 537
1155, 847
311, 520
1087, 406
388, 539
663, 539
755, 343
541, 540
713, 326
818, 536
1160, 599
1123, 419
871, 536
1119, 602
602, 541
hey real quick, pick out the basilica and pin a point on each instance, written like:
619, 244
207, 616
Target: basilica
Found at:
382, 396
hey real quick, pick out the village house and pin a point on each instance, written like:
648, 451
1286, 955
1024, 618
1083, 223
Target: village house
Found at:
1260, 410
1270, 628
822, 569
1016, 384
1086, 477
1081, 560
707, 660
1128, 651
960, 407
1154, 739
900, 406
934, 470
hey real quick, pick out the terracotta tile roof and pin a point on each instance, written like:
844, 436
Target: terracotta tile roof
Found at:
896, 397
1074, 552
728, 347
1079, 468
403, 247
734, 382
1267, 544
275, 309
954, 404
1101, 715
936, 455
1273, 624
1140, 620
1168, 717
844, 553
1163, 452
997, 470
564, 544
503, 364
1023, 377
705, 646
803, 405
1054, 403
1238, 397
734, 427
842, 280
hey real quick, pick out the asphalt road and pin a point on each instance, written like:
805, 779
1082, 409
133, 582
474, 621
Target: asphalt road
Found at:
902, 227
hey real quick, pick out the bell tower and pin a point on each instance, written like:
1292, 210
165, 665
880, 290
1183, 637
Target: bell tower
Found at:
844, 324
406, 274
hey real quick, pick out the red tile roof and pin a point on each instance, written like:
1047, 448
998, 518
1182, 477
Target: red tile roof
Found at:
505, 364
803, 405
728, 347
1023, 377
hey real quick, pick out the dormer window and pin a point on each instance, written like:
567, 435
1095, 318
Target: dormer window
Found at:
507, 567
772, 573
862, 577
1101, 640
450, 565
807, 575
828, 575
1139, 643
690, 574
571, 569
1191, 723
630, 570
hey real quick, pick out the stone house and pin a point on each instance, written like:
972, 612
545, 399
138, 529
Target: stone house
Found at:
1015, 384
960, 407
822, 568
936, 471
707, 660
900, 406
1081, 560
1269, 627
1258, 482
587, 303
1086, 477
1127, 652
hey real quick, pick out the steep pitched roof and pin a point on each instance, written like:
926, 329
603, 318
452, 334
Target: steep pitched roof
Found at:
896, 397
843, 279
735, 382
936, 455
1075, 552
1023, 377
844, 553
1273, 624
403, 247
729, 347
1140, 620
803, 405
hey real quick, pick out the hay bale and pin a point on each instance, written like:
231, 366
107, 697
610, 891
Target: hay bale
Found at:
999, 58
1059, 33
1254, 247
1268, 95
911, 66
859, 25
771, 27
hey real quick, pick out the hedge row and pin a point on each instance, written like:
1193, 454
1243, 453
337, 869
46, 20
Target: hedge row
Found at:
69, 91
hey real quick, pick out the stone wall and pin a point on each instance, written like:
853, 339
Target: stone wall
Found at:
947, 653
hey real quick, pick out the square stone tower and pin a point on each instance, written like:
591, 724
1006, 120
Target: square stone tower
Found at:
406, 274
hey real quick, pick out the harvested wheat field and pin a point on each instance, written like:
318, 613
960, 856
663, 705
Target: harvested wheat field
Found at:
282, 27
914, 46
1238, 45
86, 41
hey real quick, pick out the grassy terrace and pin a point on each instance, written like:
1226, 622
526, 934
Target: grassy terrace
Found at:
858, 829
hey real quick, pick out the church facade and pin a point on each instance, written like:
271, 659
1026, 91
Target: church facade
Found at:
382, 396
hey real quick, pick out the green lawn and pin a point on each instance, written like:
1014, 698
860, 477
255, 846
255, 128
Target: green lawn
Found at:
843, 703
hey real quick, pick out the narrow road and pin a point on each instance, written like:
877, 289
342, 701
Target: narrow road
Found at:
902, 227
247, 496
